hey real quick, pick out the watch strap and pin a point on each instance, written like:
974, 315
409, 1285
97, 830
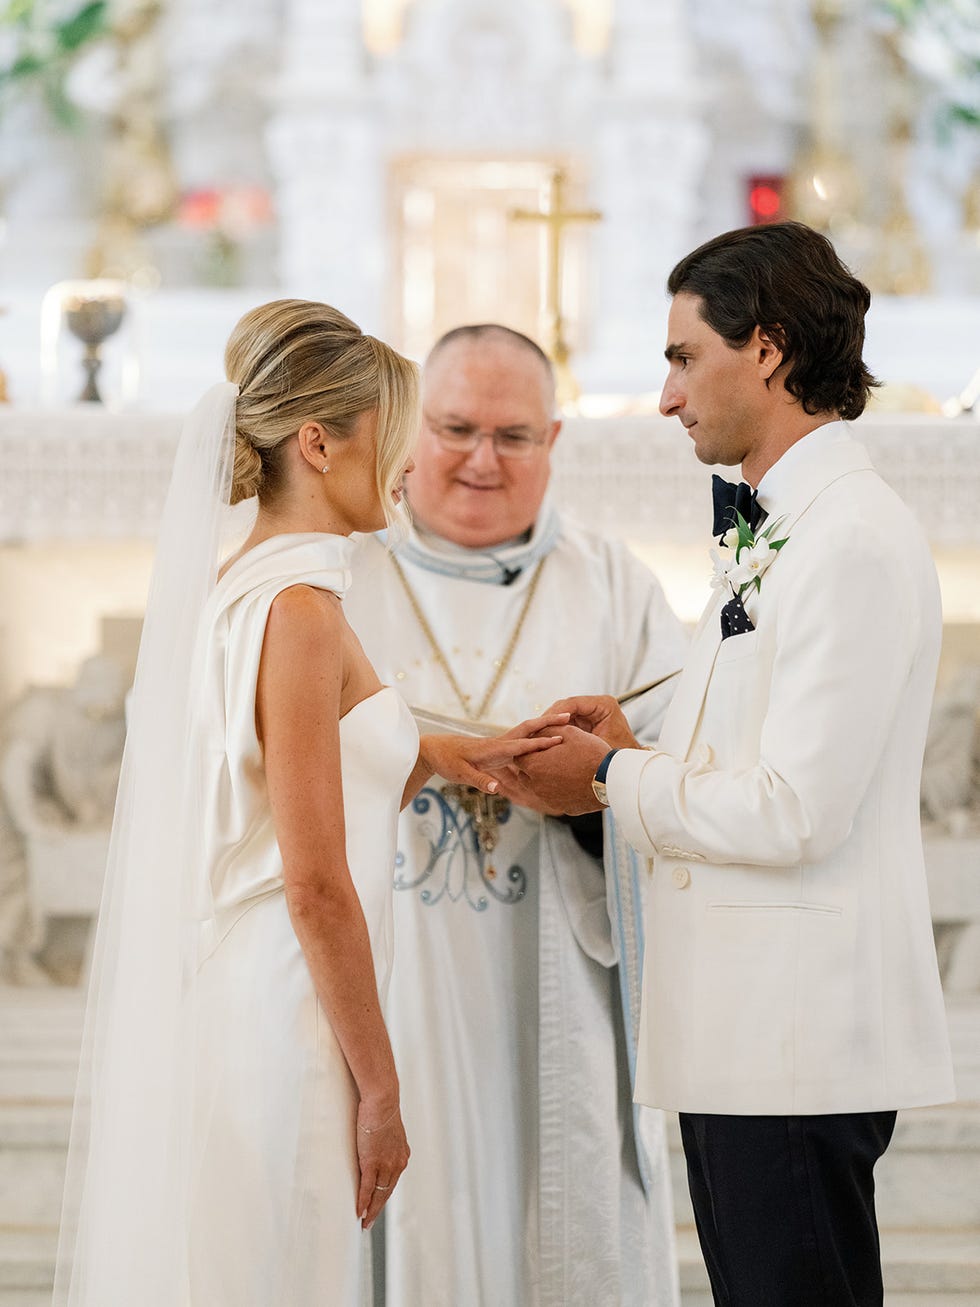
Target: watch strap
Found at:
600, 771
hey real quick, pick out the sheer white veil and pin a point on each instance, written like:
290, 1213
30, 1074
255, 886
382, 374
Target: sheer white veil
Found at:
130, 1166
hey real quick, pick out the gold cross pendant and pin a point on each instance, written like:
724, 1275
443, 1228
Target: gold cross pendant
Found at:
486, 811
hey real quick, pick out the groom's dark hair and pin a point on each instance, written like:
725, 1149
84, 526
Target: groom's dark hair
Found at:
786, 278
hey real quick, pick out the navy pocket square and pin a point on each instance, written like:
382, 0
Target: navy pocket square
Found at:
734, 619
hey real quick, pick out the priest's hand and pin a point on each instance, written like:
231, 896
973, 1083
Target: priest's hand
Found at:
562, 778
601, 715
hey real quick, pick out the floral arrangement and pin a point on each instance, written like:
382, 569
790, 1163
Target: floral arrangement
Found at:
227, 216
235, 211
940, 39
40, 42
747, 556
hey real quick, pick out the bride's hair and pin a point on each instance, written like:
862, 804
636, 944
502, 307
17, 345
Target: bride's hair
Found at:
297, 361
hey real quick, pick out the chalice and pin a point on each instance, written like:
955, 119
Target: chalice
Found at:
92, 319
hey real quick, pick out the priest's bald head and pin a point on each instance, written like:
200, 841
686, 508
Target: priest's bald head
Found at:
488, 424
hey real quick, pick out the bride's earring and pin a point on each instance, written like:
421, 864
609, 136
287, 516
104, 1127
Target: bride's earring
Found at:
325, 468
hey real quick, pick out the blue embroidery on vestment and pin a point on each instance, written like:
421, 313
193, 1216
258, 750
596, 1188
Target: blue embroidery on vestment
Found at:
456, 867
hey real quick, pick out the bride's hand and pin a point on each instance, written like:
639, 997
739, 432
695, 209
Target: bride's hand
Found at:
382, 1155
469, 761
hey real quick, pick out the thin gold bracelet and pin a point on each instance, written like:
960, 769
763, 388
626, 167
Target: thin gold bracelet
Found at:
380, 1127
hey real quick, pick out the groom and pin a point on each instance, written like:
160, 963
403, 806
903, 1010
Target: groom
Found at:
791, 994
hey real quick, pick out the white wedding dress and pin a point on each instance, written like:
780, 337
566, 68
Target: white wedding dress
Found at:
273, 1220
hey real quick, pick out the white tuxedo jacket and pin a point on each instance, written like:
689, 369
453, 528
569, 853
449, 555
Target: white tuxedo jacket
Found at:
790, 965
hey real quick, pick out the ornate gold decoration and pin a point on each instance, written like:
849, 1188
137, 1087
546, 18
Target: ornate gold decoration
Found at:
556, 218
824, 186
900, 265
971, 206
141, 187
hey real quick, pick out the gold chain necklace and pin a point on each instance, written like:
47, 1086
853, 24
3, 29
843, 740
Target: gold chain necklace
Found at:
502, 663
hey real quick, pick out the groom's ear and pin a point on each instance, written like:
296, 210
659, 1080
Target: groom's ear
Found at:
767, 347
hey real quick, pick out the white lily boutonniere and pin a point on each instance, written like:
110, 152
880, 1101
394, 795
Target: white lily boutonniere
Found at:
747, 556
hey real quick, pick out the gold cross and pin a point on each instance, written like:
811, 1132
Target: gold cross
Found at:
485, 809
556, 218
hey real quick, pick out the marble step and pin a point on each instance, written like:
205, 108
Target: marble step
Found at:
921, 1269
929, 1178
26, 1267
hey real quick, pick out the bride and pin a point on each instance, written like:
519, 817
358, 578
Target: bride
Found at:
237, 1119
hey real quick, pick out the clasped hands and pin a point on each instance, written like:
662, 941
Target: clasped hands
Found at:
546, 763
559, 780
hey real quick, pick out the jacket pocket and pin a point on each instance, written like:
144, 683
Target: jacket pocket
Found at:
826, 909
737, 646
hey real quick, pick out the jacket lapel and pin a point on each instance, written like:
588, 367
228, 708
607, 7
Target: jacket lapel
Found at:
684, 712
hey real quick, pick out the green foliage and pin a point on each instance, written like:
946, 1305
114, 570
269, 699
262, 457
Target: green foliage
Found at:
938, 39
45, 48
747, 537
85, 26
904, 10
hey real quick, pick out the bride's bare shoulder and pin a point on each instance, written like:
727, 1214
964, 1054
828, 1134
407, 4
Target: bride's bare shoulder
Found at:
305, 615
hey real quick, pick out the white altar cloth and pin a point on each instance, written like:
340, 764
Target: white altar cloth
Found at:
85, 473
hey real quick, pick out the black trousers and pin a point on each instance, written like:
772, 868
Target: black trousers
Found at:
784, 1207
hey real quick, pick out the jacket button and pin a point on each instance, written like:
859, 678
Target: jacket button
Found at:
681, 877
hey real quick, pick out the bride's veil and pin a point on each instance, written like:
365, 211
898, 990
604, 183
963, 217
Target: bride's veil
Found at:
130, 1164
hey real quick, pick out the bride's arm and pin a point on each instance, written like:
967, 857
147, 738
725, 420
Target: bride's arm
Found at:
298, 720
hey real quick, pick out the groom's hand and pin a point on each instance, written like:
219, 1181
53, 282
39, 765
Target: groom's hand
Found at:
601, 715
562, 777
512, 785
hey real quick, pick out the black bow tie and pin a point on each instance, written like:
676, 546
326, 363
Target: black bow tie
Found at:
730, 499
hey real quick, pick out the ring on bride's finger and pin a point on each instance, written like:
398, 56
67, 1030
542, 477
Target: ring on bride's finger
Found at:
383, 1187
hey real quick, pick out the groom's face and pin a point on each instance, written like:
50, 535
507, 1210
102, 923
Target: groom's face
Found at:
716, 390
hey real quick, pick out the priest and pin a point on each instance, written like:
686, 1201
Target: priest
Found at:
533, 1182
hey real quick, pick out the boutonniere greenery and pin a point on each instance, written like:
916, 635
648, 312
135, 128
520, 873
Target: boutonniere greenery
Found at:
747, 556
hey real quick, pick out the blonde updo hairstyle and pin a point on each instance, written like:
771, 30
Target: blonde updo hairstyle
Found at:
297, 361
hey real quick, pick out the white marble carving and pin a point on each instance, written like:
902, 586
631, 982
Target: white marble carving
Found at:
59, 768
951, 770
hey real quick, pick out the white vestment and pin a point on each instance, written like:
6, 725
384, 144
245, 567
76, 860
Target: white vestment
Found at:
524, 1188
